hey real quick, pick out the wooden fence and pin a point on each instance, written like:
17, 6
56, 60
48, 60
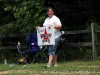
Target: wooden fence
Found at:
92, 31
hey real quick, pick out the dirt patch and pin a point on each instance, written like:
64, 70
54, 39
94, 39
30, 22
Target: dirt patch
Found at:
88, 66
17, 71
71, 72
31, 72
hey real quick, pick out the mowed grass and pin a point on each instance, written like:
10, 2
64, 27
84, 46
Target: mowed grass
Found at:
64, 68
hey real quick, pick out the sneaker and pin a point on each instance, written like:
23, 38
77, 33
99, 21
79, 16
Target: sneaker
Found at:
55, 65
48, 65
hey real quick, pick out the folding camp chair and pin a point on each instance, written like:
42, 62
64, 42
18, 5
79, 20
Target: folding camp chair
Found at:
37, 52
34, 52
27, 56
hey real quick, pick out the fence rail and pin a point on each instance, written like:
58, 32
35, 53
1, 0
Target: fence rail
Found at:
13, 35
77, 32
10, 47
79, 44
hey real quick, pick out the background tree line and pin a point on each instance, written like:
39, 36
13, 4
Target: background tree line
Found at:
19, 16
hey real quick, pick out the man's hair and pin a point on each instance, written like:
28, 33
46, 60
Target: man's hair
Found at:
50, 8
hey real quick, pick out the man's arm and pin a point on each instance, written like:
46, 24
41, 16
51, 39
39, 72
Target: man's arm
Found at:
58, 27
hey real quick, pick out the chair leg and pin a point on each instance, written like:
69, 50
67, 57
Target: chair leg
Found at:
44, 56
41, 56
63, 53
36, 57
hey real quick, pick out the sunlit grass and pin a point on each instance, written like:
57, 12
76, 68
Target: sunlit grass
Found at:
64, 68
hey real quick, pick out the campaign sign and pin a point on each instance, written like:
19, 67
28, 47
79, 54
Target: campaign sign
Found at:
45, 36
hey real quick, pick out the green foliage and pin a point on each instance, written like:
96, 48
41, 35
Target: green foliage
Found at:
74, 14
79, 53
27, 15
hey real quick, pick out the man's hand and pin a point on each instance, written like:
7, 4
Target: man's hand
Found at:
37, 27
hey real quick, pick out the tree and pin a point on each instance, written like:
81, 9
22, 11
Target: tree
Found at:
74, 14
23, 15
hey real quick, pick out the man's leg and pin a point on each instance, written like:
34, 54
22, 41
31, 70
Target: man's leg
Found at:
50, 48
55, 60
50, 59
57, 40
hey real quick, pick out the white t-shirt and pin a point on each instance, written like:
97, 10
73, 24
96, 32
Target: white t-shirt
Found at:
54, 20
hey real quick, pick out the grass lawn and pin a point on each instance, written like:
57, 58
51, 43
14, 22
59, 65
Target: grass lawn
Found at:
64, 68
